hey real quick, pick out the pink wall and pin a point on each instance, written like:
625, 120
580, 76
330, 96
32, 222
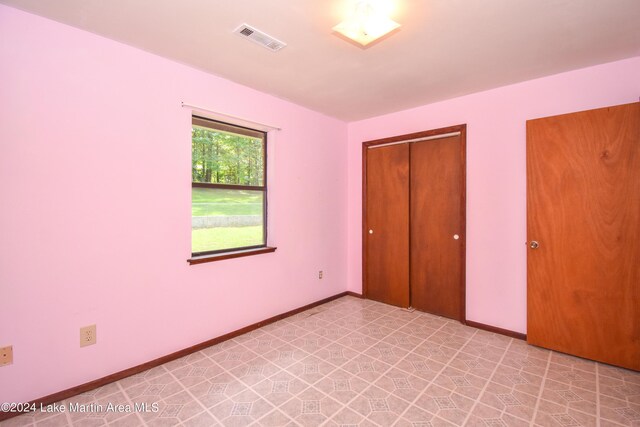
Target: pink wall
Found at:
95, 218
496, 174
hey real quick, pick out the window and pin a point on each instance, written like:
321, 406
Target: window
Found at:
228, 188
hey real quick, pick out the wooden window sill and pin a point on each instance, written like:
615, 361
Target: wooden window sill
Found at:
228, 255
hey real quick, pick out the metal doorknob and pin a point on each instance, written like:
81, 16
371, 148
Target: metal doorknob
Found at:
534, 244
370, 231
456, 237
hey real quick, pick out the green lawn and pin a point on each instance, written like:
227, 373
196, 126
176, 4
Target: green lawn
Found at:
215, 202
212, 239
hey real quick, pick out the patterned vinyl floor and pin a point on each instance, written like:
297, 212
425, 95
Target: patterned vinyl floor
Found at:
359, 362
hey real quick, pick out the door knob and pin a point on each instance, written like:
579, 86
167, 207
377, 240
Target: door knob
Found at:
370, 231
534, 244
456, 237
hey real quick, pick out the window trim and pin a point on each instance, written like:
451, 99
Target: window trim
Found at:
218, 254
201, 259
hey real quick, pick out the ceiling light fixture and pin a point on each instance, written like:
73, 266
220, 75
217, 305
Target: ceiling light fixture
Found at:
367, 23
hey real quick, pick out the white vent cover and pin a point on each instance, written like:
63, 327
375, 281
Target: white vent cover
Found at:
259, 37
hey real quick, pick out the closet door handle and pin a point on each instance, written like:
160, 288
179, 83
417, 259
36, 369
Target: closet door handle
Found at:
456, 237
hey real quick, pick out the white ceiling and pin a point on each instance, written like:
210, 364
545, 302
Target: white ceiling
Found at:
445, 48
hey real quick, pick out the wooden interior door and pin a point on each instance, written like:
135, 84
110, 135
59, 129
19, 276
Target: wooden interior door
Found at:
386, 224
437, 226
583, 212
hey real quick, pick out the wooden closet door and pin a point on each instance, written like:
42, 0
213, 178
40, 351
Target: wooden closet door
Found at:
583, 212
386, 232
437, 226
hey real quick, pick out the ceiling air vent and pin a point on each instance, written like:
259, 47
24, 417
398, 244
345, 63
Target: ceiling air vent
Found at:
259, 37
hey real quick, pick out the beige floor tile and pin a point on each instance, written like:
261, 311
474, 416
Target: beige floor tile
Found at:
402, 340
280, 388
193, 374
341, 385
495, 340
484, 415
285, 355
402, 384
460, 382
513, 402
430, 321
447, 339
553, 414
571, 396
386, 353
275, 418
154, 388
131, 420
418, 417
484, 350
346, 417
619, 373
475, 365
518, 379
183, 406
572, 376
142, 376
233, 357
418, 330
242, 409
607, 423
289, 332
255, 371
435, 351
390, 322
53, 421
379, 406
203, 419
621, 387
619, 411
574, 362
27, 419
519, 346
351, 322
357, 341
311, 369
420, 366
445, 404
311, 342
375, 331
526, 362
336, 354
311, 408
216, 390
263, 344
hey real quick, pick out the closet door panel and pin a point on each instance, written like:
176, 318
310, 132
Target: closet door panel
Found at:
437, 240
386, 226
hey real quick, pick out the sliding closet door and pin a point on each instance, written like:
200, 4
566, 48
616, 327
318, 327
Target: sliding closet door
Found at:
386, 224
437, 226
583, 219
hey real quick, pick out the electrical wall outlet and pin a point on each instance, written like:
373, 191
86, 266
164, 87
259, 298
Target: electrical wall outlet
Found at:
6, 355
87, 335
320, 274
